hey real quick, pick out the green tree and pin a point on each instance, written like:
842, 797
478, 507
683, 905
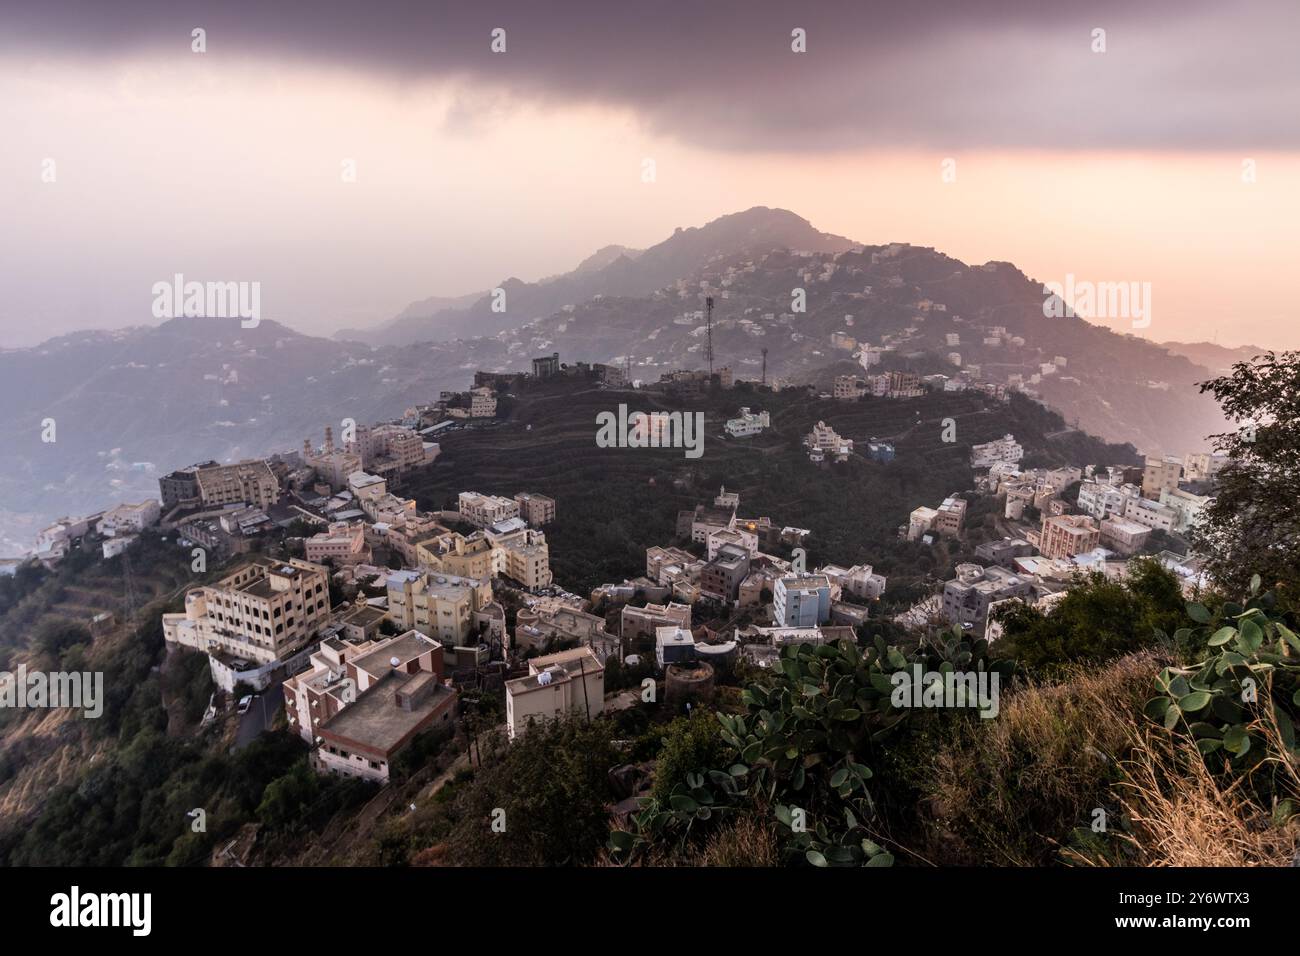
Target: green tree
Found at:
689, 743
287, 798
547, 793
1254, 522
1097, 620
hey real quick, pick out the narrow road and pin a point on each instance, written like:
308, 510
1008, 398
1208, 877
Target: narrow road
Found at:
259, 716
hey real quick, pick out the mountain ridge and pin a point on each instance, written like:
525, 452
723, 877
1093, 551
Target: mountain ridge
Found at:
611, 270
233, 392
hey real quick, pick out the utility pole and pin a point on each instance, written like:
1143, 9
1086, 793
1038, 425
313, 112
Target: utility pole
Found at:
708, 332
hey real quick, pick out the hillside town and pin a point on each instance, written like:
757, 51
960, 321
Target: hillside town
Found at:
465, 598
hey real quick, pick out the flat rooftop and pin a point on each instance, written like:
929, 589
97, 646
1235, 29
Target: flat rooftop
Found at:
405, 648
376, 723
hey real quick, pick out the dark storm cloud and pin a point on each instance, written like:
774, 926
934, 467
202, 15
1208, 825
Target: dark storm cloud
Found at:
980, 73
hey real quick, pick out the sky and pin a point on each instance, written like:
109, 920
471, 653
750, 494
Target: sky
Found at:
989, 129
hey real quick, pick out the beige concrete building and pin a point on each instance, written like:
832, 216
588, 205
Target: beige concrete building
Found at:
333, 465
341, 544
439, 605
663, 565
1159, 475
522, 555
264, 612
1123, 536
824, 441
1064, 536
921, 521
454, 553
340, 671
951, 514
535, 509
570, 682
483, 511
249, 481
642, 622
482, 402
551, 621
389, 450
399, 694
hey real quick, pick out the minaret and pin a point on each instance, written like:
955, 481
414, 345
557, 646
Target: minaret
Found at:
329, 441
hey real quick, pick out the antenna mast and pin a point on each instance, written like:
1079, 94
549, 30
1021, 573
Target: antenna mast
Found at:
764, 364
708, 331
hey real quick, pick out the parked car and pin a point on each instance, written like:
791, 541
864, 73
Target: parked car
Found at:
245, 702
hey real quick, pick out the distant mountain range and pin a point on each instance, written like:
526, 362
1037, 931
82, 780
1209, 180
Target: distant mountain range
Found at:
611, 271
137, 399
1219, 359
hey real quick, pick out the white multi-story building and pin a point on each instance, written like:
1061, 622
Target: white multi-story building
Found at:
801, 600
1103, 500
129, 519
737, 537
673, 645
1005, 449
749, 423
1150, 514
858, 582
823, 441
1186, 506
966, 598
1204, 466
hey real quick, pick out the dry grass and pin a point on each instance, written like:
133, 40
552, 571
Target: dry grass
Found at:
747, 841
1008, 791
1181, 814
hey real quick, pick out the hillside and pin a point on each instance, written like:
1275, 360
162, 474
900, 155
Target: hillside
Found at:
131, 404
231, 392
613, 503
